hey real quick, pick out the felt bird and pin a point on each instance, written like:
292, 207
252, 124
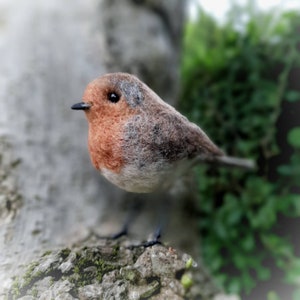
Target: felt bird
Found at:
136, 140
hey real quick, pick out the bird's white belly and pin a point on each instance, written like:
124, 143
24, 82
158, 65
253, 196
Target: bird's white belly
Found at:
149, 179
136, 180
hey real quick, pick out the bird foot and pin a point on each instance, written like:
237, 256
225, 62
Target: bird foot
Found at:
150, 243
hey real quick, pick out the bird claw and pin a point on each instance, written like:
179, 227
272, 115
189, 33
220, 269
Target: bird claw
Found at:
122, 232
154, 241
145, 244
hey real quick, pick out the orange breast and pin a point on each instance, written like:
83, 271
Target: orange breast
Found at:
105, 146
106, 138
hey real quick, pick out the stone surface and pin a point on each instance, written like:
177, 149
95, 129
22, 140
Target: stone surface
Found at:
105, 269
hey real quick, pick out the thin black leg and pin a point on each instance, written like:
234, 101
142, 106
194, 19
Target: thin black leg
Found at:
163, 211
134, 210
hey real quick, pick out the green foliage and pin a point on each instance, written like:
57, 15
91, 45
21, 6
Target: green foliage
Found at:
235, 79
294, 137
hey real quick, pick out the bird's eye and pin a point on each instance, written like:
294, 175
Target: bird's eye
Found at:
113, 97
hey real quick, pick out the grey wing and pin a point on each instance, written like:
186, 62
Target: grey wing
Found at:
173, 138
165, 138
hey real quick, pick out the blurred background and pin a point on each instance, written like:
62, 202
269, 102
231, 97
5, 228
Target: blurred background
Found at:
233, 67
240, 78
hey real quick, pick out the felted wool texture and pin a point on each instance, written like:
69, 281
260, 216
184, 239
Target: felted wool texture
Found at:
140, 142
159, 142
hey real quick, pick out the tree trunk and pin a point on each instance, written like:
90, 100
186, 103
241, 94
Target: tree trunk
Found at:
50, 196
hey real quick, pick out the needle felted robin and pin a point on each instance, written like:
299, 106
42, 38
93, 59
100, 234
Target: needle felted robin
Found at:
136, 140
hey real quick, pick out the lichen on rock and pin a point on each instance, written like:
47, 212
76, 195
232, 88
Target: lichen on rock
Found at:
110, 270
10, 198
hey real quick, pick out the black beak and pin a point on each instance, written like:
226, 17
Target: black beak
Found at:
81, 106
